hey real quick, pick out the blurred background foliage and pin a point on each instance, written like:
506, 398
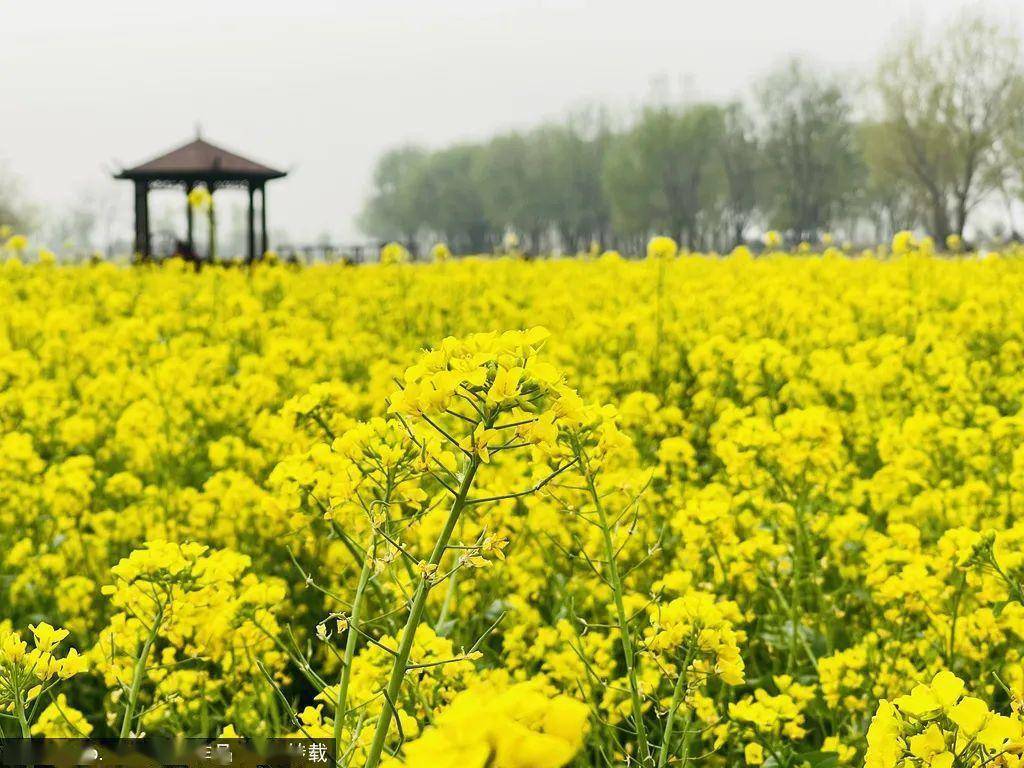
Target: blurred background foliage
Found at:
924, 140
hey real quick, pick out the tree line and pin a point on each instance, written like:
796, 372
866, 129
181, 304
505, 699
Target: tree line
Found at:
933, 133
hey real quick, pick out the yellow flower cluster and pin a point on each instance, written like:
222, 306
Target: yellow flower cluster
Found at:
938, 724
519, 726
28, 673
610, 511
175, 602
696, 628
394, 253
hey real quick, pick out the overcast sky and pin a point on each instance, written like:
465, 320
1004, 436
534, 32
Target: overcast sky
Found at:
322, 88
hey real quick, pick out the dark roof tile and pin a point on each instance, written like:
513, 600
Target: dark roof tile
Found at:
201, 158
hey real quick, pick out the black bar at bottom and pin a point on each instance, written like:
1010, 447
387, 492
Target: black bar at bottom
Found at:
166, 753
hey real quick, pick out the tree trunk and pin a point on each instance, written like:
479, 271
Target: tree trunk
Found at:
940, 221
961, 215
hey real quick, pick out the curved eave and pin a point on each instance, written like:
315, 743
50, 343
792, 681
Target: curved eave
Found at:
185, 177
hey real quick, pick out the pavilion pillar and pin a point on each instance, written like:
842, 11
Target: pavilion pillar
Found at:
211, 216
189, 220
251, 253
264, 243
142, 218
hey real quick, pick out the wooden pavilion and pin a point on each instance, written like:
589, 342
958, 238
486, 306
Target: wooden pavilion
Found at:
200, 162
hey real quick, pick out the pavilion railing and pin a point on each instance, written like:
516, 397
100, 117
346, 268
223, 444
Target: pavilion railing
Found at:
331, 253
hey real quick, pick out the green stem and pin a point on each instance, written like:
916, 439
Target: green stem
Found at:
677, 694
341, 710
416, 609
620, 610
140, 670
1011, 584
26, 732
794, 618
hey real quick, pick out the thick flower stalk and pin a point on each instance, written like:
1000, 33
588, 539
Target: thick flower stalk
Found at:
696, 635
483, 396
595, 429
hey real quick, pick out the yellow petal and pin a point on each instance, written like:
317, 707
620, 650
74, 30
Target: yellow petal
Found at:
998, 730
970, 715
926, 744
920, 702
947, 688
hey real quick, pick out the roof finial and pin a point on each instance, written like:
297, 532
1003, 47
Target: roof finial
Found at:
199, 130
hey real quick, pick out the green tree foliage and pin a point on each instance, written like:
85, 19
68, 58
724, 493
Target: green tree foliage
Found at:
511, 183
941, 132
809, 148
448, 199
885, 201
392, 213
743, 168
665, 172
545, 184
572, 156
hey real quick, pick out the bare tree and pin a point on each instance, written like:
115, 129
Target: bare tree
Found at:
885, 200
947, 109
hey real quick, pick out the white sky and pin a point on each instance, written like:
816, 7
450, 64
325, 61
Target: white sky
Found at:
322, 88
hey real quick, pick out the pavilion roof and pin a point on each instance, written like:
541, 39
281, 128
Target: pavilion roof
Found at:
199, 160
